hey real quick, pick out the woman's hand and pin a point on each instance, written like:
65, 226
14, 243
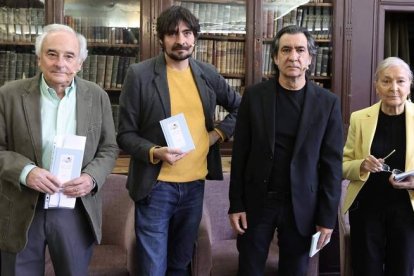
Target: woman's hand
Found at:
406, 183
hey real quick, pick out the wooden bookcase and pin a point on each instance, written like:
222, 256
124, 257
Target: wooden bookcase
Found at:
238, 48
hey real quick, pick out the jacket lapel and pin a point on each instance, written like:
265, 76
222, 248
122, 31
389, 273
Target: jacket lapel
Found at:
83, 107
202, 90
162, 85
306, 118
409, 122
31, 106
367, 126
269, 112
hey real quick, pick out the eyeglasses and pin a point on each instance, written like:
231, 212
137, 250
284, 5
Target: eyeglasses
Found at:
387, 168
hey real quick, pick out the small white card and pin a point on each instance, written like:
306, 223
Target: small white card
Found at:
176, 133
313, 249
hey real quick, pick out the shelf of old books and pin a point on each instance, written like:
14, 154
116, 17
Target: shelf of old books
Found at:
20, 23
222, 40
316, 16
112, 31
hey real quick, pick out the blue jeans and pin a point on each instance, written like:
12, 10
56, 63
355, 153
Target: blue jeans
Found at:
166, 226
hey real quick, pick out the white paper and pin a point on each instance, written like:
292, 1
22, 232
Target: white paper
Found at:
403, 175
66, 165
313, 249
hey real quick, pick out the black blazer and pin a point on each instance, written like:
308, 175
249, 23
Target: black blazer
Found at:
145, 100
316, 166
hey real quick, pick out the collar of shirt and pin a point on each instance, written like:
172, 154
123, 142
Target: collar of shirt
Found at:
58, 117
50, 93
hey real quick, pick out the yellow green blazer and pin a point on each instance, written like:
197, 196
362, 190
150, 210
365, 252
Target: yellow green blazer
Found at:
361, 132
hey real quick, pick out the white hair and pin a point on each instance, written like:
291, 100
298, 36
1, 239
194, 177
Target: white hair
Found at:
83, 51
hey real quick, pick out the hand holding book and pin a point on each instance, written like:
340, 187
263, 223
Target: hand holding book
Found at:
402, 180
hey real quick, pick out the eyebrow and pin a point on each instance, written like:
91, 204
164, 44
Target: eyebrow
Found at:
55, 51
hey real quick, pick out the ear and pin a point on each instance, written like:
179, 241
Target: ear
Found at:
275, 60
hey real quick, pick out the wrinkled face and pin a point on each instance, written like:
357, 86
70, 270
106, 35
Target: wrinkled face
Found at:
293, 58
59, 59
393, 87
180, 44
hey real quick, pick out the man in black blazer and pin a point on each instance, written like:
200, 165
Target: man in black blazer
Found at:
286, 164
167, 184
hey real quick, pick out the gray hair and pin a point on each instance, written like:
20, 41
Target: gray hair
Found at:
83, 51
391, 62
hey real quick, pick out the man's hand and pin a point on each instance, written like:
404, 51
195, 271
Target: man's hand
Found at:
42, 181
406, 183
168, 155
213, 137
238, 222
80, 186
325, 236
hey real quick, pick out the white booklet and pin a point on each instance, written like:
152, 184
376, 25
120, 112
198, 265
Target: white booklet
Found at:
66, 164
313, 249
176, 133
403, 175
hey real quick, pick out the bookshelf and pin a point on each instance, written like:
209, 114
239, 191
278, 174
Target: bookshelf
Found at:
235, 36
314, 16
112, 31
20, 23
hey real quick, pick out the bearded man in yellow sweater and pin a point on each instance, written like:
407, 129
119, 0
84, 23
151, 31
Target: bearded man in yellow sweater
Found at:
166, 183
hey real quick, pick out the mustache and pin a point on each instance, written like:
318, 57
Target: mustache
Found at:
181, 47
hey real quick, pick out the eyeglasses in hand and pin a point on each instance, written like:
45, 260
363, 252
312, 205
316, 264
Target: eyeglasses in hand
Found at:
386, 168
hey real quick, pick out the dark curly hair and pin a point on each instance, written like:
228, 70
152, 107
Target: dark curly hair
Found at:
168, 21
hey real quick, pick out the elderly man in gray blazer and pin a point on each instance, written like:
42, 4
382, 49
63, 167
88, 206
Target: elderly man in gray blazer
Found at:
32, 112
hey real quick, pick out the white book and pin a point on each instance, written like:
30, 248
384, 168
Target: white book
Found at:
177, 133
313, 249
401, 176
66, 164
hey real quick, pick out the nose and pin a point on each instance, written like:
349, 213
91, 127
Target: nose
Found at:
60, 61
394, 86
294, 55
179, 38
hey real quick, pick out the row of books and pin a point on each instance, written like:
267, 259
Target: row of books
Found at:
21, 24
320, 67
317, 19
14, 66
236, 84
19, 32
319, 1
106, 70
95, 32
22, 16
227, 56
216, 18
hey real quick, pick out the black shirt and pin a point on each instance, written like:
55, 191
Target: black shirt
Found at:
390, 134
289, 105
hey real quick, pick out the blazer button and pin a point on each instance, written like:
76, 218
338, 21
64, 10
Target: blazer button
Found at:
265, 181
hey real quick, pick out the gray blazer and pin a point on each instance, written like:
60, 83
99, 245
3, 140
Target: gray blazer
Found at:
20, 144
145, 101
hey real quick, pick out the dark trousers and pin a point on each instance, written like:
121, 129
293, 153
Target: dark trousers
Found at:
382, 239
254, 244
67, 233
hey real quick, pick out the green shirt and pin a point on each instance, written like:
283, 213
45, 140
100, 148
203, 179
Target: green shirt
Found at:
58, 117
